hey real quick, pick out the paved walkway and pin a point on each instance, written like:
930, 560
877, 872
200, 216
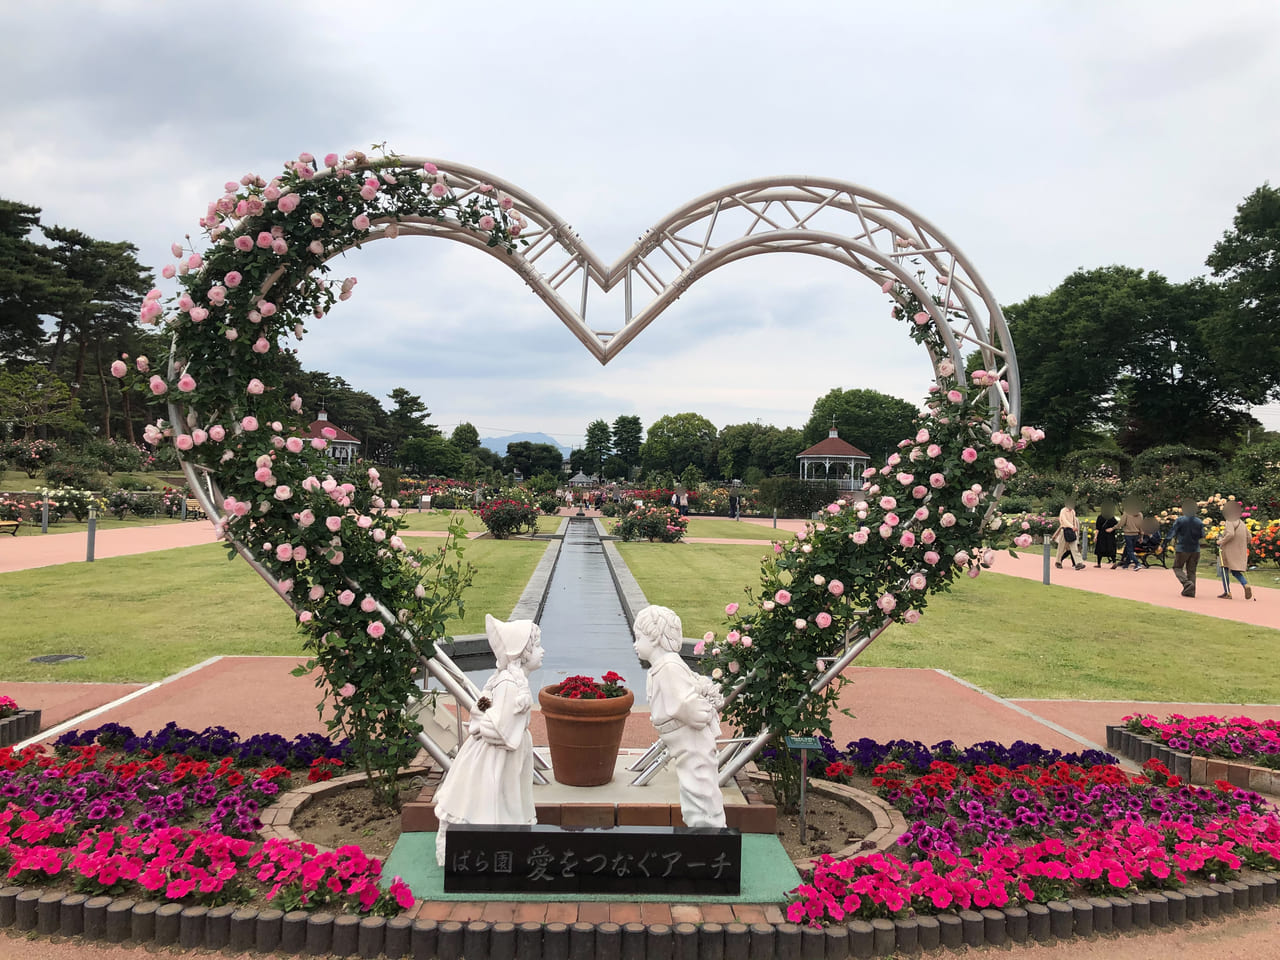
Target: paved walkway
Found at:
26, 553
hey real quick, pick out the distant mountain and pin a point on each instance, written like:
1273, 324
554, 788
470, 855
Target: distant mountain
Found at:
499, 444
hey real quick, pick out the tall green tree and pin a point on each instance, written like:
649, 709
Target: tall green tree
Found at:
33, 399
678, 440
32, 283
532, 458
627, 435
597, 446
465, 437
431, 457
407, 418
872, 421
1246, 333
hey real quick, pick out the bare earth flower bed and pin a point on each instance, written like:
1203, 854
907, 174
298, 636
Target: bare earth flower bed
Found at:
351, 816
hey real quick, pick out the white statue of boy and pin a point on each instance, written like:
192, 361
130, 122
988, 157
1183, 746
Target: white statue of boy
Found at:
684, 707
491, 780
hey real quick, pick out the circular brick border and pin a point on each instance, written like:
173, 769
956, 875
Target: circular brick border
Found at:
116, 920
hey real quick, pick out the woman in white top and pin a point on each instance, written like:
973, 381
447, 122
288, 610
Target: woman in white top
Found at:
1067, 536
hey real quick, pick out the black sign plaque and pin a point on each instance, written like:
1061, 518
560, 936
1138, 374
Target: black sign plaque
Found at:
550, 859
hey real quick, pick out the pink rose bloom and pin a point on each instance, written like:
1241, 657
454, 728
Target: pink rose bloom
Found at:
886, 286
199, 314
261, 345
969, 498
937, 481
833, 508
919, 491
364, 523
823, 620
376, 629
263, 475
1022, 540
119, 368
186, 383
746, 642
256, 386
908, 539
961, 556
329, 433
922, 435
244, 244
486, 223
974, 572
279, 247
860, 536
767, 606
306, 616
346, 598
198, 436
892, 519
931, 558
732, 637
318, 444
299, 554
331, 160
905, 479
183, 442
334, 523
921, 318
888, 503
968, 455
283, 492
893, 461
700, 647
835, 588
438, 189
158, 386
306, 518
316, 593
264, 239
249, 424
361, 222
955, 396
933, 450
911, 616
918, 581
337, 558
346, 690
294, 444
730, 609
800, 623
782, 597
887, 602
868, 473
368, 604
284, 552
142, 364
948, 520
921, 514
169, 271
886, 531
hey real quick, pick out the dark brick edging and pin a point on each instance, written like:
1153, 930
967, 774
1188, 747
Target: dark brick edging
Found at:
115, 920
20, 726
1192, 769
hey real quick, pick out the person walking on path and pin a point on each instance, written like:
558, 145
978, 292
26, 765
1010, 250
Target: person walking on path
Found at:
1131, 530
1104, 541
1233, 550
1067, 535
1186, 534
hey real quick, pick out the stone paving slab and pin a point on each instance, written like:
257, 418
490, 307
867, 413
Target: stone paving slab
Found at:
62, 701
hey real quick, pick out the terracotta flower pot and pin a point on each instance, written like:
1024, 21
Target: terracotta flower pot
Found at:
584, 736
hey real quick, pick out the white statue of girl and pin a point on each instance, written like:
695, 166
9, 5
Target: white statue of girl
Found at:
684, 707
491, 779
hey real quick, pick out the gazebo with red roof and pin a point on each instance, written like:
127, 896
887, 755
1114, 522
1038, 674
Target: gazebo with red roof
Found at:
835, 460
343, 447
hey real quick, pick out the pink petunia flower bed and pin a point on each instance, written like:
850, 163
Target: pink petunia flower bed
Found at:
110, 821
1234, 738
990, 836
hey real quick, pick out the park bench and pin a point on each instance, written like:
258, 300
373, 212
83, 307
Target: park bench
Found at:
193, 509
10, 527
1158, 554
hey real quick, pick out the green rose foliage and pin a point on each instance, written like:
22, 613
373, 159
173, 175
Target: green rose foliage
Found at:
926, 520
371, 607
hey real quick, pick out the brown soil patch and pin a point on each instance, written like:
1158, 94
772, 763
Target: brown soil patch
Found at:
832, 825
351, 816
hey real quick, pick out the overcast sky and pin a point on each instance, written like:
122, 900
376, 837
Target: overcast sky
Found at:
1039, 136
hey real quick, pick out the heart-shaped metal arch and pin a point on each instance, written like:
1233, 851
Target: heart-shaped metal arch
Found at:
841, 221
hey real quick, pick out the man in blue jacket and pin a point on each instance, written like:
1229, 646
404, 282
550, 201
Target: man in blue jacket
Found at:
1186, 534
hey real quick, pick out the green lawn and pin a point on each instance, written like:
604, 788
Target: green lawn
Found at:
439, 520
31, 528
1014, 637
721, 528
144, 617
17, 480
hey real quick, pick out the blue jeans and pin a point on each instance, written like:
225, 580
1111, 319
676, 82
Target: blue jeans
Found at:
1129, 555
1238, 574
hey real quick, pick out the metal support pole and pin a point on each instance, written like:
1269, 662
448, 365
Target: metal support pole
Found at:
93, 528
804, 782
775, 518
44, 514
1046, 560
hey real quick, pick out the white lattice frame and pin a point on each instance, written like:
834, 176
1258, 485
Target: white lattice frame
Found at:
883, 240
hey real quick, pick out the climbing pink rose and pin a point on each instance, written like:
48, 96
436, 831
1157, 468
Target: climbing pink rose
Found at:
835, 588
908, 539
376, 629
919, 491
249, 424
860, 536
316, 593
283, 492
918, 581
937, 481
346, 690
887, 602
932, 558
288, 203
921, 318
158, 386
368, 604
911, 616
256, 386
244, 243
730, 609
186, 383
823, 620
969, 498
334, 523
119, 368
361, 222
284, 552
968, 455
183, 442
948, 520
888, 503
800, 623
217, 433
306, 518
783, 597
346, 598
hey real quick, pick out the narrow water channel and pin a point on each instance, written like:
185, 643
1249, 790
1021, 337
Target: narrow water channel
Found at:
584, 629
